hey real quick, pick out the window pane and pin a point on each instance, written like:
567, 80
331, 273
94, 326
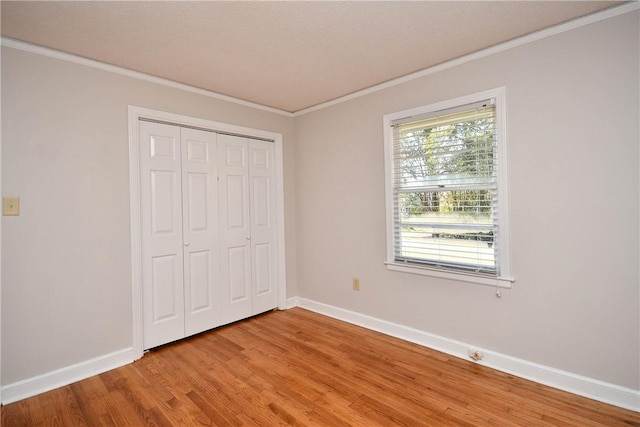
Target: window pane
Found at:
452, 228
451, 155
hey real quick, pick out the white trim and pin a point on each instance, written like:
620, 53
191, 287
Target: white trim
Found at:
504, 239
281, 274
135, 114
529, 38
136, 233
577, 384
65, 376
75, 59
460, 276
296, 302
0, 245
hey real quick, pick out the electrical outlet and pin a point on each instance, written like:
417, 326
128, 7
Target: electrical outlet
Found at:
11, 206
356, 284
475, 355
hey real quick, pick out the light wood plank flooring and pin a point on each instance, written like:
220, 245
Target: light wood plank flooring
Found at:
299, 368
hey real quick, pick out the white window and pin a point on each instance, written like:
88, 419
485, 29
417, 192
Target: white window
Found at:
447, 207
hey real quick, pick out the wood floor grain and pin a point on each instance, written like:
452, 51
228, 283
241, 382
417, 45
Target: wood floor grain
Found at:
298, 368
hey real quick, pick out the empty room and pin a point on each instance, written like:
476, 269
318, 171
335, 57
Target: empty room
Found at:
321, 213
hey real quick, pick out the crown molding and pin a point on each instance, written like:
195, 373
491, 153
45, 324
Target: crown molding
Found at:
68, 57
529, 38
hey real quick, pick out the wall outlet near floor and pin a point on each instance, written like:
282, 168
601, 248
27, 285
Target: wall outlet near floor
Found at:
476, 355
356, 284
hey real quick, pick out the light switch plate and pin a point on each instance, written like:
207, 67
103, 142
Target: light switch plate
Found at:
11, 206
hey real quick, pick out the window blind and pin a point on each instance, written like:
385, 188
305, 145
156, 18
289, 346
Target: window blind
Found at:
445, 194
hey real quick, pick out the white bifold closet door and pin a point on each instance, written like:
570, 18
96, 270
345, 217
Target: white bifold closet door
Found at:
179, 215
247, 226
208, 233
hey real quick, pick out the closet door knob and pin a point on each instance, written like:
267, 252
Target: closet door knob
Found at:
185, 244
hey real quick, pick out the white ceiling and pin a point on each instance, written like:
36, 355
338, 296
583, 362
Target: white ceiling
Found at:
285, 55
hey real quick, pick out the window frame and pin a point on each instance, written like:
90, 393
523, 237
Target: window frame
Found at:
503, 278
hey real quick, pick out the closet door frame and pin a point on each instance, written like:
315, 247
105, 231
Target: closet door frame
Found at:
138, 113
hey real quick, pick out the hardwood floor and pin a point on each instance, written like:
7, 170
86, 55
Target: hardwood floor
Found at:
299, 368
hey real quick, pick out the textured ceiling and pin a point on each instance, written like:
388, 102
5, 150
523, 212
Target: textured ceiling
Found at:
285, 55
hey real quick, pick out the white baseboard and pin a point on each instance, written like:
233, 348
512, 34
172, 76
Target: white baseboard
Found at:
64, 376
563, 380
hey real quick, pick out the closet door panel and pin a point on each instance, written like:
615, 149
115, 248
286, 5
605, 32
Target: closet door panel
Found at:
198, 188
235, 228
163, 202
200, 230
236, 192
263, 227
166, 298
238, 268
261, 194
262, 266
201, 295
161, 224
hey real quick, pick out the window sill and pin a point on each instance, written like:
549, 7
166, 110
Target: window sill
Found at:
501, 282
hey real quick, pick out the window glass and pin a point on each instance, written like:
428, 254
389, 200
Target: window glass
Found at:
444, 194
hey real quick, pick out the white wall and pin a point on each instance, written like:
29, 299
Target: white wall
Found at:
573, 157
66, 274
